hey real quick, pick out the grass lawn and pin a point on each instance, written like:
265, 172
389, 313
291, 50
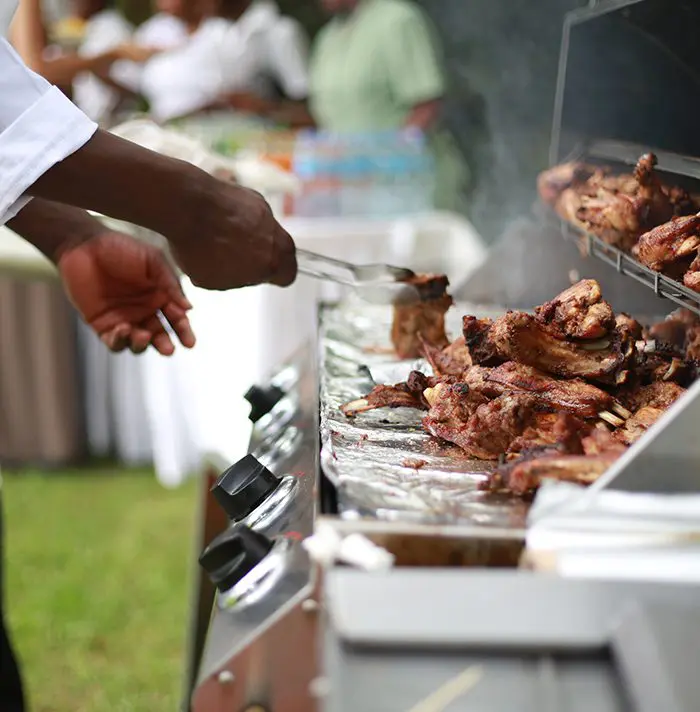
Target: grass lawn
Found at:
98, 567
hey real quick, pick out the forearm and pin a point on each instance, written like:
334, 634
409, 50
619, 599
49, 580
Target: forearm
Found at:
63, 70
52, 227
424, 116
120, 179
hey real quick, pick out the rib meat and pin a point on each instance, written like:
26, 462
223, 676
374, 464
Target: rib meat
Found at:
525, 475
573, 396
561, 431
423, 318
401, 395
518, 337
577, 313
660, 394
638, 424
484, 430
453, 360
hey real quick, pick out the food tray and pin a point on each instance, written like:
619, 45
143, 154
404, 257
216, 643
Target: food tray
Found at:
383, 464
661, 285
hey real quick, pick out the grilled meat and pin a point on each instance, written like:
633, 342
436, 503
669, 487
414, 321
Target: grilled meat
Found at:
692, 343
600, 441
453, 360
401, 395
554, 181
572, 396
691, 278
424, 318
616, 208
483, 431
561, 431
577, 313
632, 326
660, 394
525, 475
518, 337
654, 198
638, 424
670, 247
476, 336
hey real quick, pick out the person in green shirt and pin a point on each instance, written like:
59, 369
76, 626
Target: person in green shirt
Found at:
376, 67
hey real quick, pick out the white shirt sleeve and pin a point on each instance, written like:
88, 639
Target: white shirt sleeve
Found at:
39, 127
288, 57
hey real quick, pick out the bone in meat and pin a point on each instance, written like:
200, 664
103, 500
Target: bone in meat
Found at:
518, 337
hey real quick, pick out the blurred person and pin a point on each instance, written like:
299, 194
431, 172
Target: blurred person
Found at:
171, 26
245, 56
376, 67
105, 30
54, 163
29, 38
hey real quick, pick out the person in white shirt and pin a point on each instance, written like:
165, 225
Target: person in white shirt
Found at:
105, 29
54, 163
236, 59
170, 27
28, 36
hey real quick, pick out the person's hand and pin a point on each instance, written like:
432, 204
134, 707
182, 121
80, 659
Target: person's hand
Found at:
135, 53
247, 102
228, 238
120, 285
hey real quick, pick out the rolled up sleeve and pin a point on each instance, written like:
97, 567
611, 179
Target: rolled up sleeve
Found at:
39, 127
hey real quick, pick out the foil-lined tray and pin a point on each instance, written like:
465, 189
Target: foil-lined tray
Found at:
384, 465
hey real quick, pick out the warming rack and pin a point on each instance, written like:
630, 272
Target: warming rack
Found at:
661, 285
628, 153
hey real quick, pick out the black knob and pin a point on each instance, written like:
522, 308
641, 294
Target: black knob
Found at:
262, 400
233, 554
243, 487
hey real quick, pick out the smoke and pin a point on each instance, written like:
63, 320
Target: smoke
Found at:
502, 58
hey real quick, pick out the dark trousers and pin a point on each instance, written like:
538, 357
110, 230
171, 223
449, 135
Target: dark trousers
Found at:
11, 697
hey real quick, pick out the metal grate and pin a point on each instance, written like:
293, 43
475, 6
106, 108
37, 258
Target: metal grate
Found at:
624, 264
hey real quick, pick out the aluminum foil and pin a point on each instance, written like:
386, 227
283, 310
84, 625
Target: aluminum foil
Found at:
383, 463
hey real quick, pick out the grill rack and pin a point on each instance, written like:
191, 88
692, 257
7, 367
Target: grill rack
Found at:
661, 285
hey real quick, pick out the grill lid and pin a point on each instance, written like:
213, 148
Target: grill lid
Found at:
629, 81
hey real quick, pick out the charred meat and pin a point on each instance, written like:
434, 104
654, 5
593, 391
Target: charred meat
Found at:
518, 337
454, 360
670, 247
577, 313
423, 320
401, 395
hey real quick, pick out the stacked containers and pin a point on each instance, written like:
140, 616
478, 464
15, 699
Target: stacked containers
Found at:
381, 175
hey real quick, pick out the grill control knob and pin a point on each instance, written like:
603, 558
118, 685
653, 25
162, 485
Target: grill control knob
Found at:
262, 400
234, 554
243, 487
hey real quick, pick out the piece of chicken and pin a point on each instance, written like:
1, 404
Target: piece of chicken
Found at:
518, 337
577, 313
670, 247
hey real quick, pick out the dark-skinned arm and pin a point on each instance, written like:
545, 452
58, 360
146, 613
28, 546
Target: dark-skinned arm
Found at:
53, 228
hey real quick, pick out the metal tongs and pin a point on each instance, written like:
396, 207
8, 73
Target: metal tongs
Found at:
376, 283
